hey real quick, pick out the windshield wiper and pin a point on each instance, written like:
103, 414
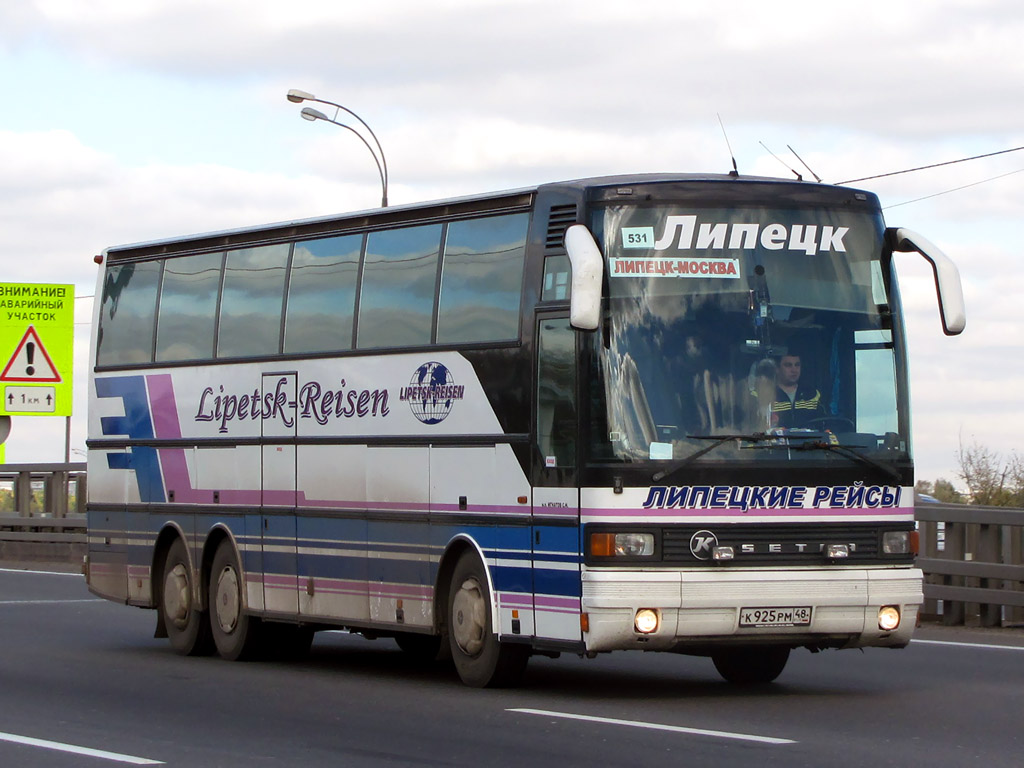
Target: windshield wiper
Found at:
718, 440
850, 453
813, 443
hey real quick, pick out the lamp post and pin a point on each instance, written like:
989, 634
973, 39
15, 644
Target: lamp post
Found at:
308, 113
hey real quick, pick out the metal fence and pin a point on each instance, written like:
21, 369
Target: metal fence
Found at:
42, 511
971, 556
974, 570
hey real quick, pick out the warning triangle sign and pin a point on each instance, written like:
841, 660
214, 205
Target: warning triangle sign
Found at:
30, 361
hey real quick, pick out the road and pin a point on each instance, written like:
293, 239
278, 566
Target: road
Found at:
80, 674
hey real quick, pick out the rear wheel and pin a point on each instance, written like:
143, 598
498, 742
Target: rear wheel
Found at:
480, 659
234, 631
752, 665
188, 628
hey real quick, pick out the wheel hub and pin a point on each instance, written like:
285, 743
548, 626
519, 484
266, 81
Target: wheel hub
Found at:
227, 607
177, 597
469, 617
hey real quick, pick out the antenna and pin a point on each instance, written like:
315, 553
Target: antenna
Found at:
791, 170
735, 171
817, 178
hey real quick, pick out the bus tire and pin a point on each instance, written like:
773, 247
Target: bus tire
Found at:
188, 627
424, 648
751, 665
480, 660
235, 632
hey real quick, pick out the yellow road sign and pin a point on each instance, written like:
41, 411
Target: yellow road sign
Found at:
37, 331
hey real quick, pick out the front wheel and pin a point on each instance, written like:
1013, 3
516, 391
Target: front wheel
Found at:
753, 665
424, 648
480, 659
234, 631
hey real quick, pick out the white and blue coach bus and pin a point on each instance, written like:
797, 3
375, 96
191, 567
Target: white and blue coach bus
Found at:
531, 422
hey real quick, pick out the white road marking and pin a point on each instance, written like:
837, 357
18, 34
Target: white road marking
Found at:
656, 726
52, 602
41, 573
969, 645
58, 746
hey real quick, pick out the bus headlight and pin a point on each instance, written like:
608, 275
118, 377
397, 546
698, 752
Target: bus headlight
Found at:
646, 621
896, 543
888, 618
622, 544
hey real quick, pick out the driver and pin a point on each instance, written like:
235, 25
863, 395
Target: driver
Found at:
794, 406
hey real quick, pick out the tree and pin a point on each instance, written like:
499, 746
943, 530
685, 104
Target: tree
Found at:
945, 491
991, 480
941, 490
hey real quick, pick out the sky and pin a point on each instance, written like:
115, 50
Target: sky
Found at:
131, 120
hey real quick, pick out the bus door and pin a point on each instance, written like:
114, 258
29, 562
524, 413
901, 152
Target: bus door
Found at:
556, 497
280, 579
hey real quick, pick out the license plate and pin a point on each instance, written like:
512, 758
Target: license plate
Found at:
775, 617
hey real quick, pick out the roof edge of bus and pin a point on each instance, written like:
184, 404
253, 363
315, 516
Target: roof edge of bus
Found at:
592, 181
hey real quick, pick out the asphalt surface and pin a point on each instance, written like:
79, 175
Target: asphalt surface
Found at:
77, 673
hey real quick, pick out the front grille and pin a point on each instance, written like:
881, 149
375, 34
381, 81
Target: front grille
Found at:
781, 544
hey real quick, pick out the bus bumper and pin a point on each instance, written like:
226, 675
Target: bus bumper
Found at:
704, 608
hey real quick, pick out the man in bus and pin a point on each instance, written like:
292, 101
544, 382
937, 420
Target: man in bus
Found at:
794, 406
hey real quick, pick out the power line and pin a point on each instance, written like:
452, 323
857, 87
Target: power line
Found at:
955, 189
934, 165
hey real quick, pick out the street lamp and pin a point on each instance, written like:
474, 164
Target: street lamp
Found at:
308, 113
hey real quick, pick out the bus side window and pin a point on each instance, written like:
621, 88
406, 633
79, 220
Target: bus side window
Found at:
128, 314
556, 393
557, 274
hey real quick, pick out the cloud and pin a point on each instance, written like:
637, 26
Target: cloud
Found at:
491, 94
928, 70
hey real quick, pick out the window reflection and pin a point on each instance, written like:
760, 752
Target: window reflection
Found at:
250, 312
322, 294
188, 306
396, 305
481, 279
127, 314
788, 344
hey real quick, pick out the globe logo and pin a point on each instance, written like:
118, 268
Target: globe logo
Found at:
431, 393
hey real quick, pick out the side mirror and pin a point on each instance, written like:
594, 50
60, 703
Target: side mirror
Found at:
947, 277
587, 273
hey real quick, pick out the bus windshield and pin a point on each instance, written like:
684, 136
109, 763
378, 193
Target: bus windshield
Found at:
773, 324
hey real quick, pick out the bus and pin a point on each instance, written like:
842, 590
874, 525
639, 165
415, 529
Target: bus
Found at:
560, 419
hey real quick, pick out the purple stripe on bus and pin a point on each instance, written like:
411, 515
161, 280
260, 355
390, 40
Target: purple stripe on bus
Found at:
557, 602
163, 406
739, 514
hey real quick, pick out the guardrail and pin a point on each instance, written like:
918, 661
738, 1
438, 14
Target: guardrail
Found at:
42, 511
971, 556
973, 564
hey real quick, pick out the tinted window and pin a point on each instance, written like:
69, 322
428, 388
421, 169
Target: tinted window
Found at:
322, 294
127, 314
557, 274
481, 280
188, 307
556, 394
396, 305
250, 310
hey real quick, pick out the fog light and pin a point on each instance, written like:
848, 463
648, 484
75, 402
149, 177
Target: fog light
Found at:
646, 621
888, 618
723, 553
837, 551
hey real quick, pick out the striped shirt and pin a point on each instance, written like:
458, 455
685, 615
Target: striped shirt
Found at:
805, 406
